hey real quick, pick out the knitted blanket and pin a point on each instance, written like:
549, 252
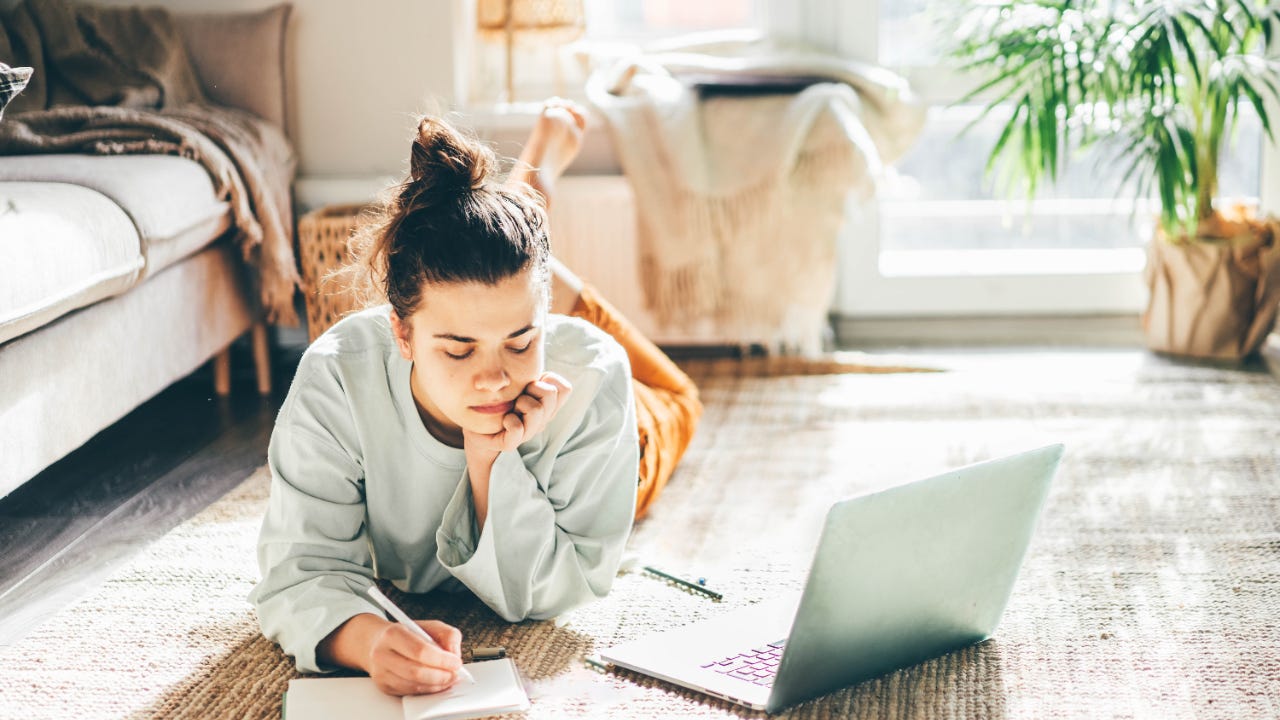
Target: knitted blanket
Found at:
740, 195
92, 55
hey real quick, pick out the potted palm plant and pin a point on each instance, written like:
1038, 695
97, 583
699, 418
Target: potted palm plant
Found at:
1163, 83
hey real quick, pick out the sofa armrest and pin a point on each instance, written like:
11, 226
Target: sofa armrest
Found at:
240, 58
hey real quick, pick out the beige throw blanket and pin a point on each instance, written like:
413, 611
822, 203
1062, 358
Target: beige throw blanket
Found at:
118, 81
740, 197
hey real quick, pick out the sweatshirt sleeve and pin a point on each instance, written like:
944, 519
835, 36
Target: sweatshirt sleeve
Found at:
551, 543
312, 551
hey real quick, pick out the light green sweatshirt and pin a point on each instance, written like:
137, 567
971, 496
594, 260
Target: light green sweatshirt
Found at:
360, 489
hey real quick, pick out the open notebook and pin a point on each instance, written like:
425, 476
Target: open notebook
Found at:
497, 690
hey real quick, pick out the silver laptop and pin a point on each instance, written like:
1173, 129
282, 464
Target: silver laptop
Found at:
899, 576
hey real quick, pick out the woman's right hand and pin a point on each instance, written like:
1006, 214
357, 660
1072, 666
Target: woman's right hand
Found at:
401, 663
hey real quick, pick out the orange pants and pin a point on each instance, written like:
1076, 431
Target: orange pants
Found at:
667, 405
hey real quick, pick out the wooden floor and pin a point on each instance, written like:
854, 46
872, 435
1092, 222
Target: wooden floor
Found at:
70, 527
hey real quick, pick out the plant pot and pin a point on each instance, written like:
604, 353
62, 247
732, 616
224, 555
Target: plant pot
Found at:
1214, 296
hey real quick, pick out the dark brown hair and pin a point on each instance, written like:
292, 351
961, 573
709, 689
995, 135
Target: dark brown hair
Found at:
450, 221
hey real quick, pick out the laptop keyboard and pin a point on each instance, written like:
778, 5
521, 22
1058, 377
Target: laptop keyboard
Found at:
758, 666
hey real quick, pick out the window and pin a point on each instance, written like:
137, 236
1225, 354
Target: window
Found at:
651, 19
542, 66
940, 240
908, 36
942, 201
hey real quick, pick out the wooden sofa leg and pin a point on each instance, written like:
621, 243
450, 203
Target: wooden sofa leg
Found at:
262, 358
222, 372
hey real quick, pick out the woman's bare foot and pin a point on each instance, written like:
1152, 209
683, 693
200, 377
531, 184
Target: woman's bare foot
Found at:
552, 145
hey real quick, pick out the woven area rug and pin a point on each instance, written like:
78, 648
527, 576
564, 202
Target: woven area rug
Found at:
1151, 590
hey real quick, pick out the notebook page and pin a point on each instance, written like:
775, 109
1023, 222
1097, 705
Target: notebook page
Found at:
497, 689
354, 697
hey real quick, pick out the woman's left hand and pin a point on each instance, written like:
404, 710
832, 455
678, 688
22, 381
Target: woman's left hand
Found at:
534, 409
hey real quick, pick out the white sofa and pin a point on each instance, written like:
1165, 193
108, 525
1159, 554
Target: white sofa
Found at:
119, 274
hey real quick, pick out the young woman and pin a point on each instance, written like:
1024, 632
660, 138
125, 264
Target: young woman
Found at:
461, 433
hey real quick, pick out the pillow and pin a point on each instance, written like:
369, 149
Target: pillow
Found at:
240, 58
12, 80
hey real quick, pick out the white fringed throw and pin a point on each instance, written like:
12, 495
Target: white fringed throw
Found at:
740, 198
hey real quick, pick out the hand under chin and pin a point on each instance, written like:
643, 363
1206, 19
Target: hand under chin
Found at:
489, 425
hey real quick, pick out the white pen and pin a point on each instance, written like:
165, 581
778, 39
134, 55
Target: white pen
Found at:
403, 619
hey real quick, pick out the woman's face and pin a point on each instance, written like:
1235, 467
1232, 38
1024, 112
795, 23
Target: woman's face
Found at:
474, 348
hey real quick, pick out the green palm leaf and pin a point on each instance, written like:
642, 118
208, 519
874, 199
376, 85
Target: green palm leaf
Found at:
1172, 74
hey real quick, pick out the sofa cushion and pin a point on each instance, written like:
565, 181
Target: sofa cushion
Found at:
170, 199
240, 57
64, 247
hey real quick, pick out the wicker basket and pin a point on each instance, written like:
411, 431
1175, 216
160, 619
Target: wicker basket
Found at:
322, 248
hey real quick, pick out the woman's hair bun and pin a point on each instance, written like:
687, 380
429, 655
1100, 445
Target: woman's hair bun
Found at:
450, 221
444, 160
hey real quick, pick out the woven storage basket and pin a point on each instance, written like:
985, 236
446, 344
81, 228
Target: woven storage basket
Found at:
322, 247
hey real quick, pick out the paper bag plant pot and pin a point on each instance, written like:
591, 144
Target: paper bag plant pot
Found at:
1214, 296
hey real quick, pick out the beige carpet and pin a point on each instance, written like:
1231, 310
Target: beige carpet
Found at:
1152, 589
